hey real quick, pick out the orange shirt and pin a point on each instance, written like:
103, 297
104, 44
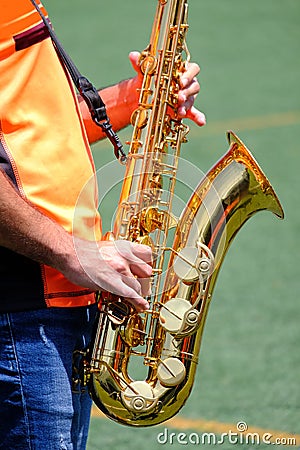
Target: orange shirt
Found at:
43, 143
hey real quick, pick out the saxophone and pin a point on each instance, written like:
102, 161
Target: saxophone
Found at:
165, 340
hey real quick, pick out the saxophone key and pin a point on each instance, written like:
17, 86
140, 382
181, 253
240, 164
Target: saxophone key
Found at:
178, 317
118, 312
192, 264
139, 397
171, 372
139, 118
133, 333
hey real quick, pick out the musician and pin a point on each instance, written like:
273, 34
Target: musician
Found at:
47, 284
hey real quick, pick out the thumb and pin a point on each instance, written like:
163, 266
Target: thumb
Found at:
134, 59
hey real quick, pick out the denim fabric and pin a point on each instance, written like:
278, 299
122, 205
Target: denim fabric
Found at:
39, 410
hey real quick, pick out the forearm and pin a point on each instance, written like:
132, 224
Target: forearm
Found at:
120, 104
25, 230
94, 265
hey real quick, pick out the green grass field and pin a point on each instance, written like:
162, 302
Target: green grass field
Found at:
249, 367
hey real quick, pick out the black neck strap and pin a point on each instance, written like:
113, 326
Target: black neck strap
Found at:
88, 92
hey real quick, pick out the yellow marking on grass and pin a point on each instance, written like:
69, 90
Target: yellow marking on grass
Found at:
218, 428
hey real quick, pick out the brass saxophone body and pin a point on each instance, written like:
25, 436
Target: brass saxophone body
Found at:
165, 340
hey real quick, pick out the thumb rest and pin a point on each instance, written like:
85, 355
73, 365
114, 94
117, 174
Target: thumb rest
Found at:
166, 339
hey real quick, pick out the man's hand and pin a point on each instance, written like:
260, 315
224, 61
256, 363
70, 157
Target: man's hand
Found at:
188, 93
120, 267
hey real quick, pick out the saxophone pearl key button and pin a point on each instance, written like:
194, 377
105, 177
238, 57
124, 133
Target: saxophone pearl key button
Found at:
138, 396
172, 314
186, 264
171, 372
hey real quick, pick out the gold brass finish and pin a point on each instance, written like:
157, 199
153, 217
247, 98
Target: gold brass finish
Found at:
166, 339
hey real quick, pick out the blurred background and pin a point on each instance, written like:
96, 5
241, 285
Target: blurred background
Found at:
249, 367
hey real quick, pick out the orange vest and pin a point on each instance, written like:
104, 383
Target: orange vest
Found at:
44, 149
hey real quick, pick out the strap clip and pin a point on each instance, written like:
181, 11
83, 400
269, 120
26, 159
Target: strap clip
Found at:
90, 95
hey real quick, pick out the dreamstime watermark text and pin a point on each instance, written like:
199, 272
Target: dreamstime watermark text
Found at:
241, 436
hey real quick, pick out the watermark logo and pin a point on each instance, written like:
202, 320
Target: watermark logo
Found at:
241, 426
240, 436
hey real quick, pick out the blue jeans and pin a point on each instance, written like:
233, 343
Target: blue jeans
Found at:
39, 410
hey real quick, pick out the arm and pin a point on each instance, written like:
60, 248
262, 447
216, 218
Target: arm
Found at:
102, 265
25, 230
122, 99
